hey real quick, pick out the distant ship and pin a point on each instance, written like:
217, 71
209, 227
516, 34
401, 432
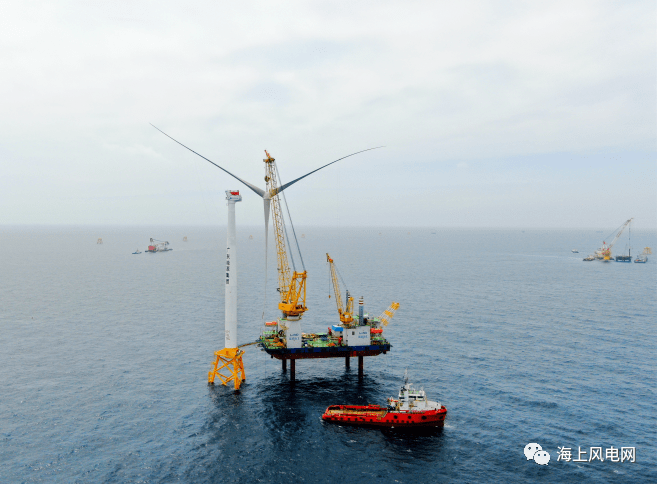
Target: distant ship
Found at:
137, 251
642, 258
158, 246
575, 251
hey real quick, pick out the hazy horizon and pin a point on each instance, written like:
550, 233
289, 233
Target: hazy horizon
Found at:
259, 229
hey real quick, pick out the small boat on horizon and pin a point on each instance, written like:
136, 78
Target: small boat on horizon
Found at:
575, 251
137, 251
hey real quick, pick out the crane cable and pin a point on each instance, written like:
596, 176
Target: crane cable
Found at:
340, 276
287, 238
617, 231
294, 232
337, 271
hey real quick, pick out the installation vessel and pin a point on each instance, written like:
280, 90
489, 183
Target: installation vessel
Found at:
283, 339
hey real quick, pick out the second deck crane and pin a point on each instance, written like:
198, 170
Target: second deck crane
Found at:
345, 312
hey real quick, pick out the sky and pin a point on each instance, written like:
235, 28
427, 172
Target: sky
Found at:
490, 114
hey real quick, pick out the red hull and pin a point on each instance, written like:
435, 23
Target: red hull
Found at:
377, 416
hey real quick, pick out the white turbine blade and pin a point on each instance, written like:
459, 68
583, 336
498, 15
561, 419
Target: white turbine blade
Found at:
259, 191
280, 189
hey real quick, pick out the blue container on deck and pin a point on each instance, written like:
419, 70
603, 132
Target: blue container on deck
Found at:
335, 327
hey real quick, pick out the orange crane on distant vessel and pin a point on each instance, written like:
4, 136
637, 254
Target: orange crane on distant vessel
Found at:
604, 252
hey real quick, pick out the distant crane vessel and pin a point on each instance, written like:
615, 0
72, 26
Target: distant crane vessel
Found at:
158, 246
604, 252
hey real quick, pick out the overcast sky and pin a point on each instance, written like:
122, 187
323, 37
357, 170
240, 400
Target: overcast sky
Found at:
493, 114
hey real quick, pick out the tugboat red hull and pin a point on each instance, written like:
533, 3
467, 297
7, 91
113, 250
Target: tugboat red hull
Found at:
377, 416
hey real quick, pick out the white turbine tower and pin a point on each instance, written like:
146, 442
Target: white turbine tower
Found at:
231, 356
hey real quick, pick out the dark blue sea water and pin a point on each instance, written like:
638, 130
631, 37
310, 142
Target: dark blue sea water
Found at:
104, 358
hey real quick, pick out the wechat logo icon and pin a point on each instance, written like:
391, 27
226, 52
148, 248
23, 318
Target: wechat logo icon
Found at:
535, 452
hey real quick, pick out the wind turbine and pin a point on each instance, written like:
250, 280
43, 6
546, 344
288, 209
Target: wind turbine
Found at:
234, 360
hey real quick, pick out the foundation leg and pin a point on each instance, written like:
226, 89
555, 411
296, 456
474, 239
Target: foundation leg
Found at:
284, 364
346, 362
360, 366
292, 365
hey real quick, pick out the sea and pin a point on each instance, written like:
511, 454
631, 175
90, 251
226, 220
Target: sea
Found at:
104, 357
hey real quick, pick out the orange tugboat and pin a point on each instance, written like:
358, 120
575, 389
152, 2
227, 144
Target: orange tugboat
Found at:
411, 410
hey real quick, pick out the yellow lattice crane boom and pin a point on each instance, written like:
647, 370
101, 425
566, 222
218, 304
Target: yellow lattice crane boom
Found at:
388, 314
345, 312
291, 284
